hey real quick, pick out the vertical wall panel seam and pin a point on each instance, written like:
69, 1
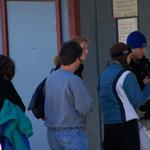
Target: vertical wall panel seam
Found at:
58, 24
5, 46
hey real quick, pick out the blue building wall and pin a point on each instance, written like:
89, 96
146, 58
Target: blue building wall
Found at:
64, 19
33, 45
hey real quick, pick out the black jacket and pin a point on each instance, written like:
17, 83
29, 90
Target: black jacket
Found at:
79, 71
7, 91
141, 68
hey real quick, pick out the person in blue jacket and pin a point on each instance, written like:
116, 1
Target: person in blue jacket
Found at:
120, 95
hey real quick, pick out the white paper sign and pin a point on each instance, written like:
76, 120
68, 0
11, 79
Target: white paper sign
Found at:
125, 8
126, 26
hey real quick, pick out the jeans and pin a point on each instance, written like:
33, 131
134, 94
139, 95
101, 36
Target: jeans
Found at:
67, 139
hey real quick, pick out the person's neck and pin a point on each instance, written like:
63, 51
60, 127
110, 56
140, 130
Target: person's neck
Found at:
67, 68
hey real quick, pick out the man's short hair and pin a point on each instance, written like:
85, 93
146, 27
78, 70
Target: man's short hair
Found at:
70, 52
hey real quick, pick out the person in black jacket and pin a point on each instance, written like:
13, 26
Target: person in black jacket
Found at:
140, 65
7, 90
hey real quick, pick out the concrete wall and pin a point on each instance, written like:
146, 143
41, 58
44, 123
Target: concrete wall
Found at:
144, 21
89, 29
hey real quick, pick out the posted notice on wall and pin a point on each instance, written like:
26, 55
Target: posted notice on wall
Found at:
125, 8
126, 26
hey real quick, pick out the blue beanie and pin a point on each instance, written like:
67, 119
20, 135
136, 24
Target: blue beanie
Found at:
136, 40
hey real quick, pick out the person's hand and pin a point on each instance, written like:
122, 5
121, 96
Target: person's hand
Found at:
146, 80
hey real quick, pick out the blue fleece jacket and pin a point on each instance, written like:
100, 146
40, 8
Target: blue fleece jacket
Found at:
128, 98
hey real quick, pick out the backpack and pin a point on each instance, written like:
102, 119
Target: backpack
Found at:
36, 104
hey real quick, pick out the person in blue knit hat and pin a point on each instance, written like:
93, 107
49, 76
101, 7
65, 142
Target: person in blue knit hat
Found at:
140, 65
136, 40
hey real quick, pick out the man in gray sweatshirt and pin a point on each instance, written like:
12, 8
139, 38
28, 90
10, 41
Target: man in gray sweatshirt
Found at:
67, 103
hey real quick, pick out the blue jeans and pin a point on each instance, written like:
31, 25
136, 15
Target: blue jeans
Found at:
67, 139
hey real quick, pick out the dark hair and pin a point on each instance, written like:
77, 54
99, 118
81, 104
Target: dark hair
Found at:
78, 39
120, 51
70, 52
7, 67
